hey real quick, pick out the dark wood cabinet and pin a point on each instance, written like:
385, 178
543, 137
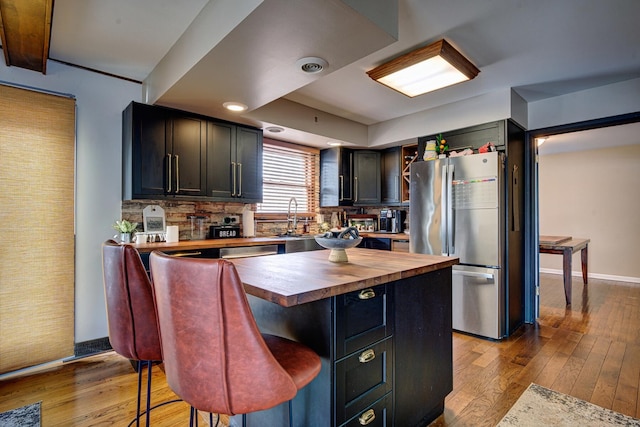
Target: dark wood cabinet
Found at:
186, 156
386, 354
234, 163
170, 153
366, 179
336, 177
391, 176
163, 153
143, 151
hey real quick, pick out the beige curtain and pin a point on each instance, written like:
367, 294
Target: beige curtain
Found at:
37, 159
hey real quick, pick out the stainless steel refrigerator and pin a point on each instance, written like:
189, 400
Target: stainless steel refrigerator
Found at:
457, 208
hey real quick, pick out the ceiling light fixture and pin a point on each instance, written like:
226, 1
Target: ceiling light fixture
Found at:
235, 106
311, 64
334, 143
424, 70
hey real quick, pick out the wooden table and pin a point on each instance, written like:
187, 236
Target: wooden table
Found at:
567, 246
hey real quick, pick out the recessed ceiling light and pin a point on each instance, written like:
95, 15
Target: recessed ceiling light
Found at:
311, 64
334, 143
235, 106
275, 129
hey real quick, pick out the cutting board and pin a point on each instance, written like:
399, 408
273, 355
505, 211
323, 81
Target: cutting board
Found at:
553, 240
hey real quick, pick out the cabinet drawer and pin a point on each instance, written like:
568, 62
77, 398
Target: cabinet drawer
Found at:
362, 318
363, 378
380, 414
400, 245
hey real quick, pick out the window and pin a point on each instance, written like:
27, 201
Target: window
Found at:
289, 170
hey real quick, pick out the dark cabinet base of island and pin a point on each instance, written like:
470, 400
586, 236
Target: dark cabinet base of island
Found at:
386, 354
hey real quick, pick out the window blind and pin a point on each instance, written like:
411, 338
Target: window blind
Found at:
37, 266
289, 170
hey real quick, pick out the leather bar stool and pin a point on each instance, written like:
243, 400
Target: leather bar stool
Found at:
131, 314
215, 357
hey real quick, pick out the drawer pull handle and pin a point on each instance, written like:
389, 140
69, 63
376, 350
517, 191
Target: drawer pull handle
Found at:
367, 294
367, 417
179, 254
367, 356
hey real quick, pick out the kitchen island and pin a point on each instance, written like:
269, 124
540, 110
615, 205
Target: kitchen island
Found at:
381, 324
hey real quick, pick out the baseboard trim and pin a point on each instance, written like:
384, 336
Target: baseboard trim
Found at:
626, 279
89, 348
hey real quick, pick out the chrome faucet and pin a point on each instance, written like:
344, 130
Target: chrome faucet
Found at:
294, 220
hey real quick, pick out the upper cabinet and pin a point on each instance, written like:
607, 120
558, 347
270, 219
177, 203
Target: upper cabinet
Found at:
336, 177
349, 177
234, 159
366, 177
391, 176
174, 154
185, 156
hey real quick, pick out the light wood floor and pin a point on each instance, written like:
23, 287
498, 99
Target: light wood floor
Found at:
590, 351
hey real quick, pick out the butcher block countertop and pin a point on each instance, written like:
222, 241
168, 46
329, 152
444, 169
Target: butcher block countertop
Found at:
378, 235
298, 278
187, 245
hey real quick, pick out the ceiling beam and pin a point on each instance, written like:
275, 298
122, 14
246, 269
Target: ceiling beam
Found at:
25, 32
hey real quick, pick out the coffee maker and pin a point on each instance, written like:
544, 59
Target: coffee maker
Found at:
392, 220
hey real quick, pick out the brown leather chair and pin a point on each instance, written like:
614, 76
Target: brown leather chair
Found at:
215, 357
131, 314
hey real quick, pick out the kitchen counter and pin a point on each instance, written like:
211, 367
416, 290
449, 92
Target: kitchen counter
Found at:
303, 277
209, 243
187, 245
381, 324
392, 236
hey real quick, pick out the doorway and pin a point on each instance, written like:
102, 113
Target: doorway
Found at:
588, 132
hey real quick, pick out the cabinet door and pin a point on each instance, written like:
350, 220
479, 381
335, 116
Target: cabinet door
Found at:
188, 156
336, 177
249, 165
148, 150
366, 179
391, 175
220, 156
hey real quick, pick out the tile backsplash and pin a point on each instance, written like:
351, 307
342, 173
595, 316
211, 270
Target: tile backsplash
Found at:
177, 213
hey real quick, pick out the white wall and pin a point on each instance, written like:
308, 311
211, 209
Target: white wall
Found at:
604, 101
594, 194
100, 101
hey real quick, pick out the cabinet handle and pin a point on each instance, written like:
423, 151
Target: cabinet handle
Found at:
179, 254
177, 174
367, 294
367, 356
233, 174
169, 173
239, 179
367, 417
355, 184
341, 188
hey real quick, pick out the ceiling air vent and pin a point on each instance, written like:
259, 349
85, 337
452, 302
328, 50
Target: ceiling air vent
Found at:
311, 65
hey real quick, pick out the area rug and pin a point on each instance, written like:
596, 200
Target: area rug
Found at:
27, 416
539, 406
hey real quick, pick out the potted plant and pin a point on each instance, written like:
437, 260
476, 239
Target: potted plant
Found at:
125, 228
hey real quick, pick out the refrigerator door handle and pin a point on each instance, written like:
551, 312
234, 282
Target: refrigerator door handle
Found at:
474, 274
450, 212
444, 230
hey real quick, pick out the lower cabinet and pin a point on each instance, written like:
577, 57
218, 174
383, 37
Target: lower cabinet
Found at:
380, 414
386, 354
